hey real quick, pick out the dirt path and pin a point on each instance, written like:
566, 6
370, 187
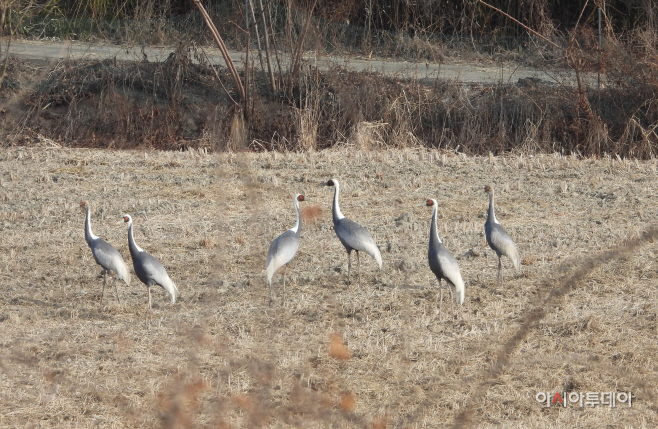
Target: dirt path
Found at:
46, 51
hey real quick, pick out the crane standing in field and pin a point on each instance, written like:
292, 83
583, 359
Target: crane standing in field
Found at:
497, 238
352, 235
148, 269
105, 255
441, 261
284, 248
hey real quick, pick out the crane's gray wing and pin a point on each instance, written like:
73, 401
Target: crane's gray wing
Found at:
502, 243
354, 236
435, 264
450, 268
155, 273
108, 257
445, 266
282, 249
351, 234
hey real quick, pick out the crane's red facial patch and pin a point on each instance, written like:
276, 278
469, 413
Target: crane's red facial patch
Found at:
300, 198
126, 218
330, 183
429, 203
83, 203
487, 189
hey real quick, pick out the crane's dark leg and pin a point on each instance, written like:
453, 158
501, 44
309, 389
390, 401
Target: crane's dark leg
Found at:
500, 268
452, 298
358, 267
271, 299
284, 283
349, 265
149, 289
104, 281
440, 294
116, 289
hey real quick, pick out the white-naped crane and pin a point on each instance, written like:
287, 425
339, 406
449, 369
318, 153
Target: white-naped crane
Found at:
442, 263
105, 255
284, 248
148, 269
497, 238
352, 235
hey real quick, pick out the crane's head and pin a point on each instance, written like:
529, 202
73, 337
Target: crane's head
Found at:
488, 189
127, 218
430, 203
330, 182
300, 197
84, 204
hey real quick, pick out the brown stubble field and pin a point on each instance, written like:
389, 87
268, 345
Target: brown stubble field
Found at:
332, 355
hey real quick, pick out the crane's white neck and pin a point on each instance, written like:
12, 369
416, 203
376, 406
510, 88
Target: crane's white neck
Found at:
131, 238
434, 230
492, 214
298, 224
336, 208
88, 234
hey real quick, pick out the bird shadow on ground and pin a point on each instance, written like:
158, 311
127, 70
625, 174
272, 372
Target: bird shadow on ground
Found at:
23, 300
93, 315
400, 286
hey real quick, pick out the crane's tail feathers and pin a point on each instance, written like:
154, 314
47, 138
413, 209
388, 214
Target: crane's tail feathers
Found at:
123, 273
516, 259
460, 291
378, 257
171, 289
372, 250
269, 273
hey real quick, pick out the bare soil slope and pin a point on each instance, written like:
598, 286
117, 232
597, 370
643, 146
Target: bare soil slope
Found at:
332, 355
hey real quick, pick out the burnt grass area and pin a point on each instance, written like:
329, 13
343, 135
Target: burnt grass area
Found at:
180, 103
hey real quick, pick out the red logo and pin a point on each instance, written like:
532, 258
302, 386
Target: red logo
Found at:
557, 398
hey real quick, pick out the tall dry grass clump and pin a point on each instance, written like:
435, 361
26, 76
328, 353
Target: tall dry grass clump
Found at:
307, 128
368, 136
238, 138
114, 105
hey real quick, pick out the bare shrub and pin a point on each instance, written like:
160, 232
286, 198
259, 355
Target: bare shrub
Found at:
179, 104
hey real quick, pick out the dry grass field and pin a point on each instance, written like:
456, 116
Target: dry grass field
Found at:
332, 355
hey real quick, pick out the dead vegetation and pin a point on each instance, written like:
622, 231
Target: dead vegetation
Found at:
279, 102
332, 355
182, 103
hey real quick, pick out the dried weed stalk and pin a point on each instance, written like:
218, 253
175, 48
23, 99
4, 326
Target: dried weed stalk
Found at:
532, 317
